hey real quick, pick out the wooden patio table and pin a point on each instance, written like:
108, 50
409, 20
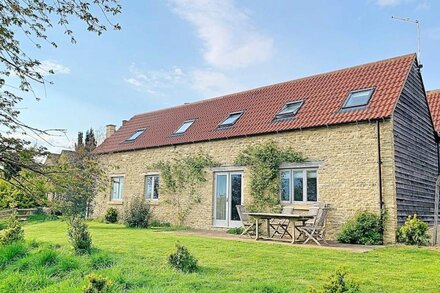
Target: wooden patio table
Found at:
292, 218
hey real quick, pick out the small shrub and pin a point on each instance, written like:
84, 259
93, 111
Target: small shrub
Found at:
111, 215
413, 232
79, 236
97, 284
182, 260
13, 232
101, 261
157, 223
338, 283
137, 214
236, 231
365, 228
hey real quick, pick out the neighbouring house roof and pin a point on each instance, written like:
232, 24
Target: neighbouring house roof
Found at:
323, 96
434, 107
53, 159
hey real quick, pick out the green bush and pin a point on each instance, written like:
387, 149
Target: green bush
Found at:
137, 214
236, 231
338, 283
157, 223
111, 215
364, 228
13, 232
182, 260
97, 284
79, 236
413, 232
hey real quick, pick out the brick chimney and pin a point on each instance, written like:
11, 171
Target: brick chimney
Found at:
109, 130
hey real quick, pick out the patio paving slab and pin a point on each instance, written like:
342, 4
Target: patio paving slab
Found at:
331, 244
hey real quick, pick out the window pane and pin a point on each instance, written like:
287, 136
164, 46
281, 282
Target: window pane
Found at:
220, 197
135, 135
184, 127
358, 99
156, 187
298, 185
148, 187
117, 183
235, 196
285, 185
311, 186
290, 108
231, 119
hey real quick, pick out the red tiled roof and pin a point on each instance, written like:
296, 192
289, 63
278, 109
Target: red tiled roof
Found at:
323, 97
434, 106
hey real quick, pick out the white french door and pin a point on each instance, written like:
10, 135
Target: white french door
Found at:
228, 194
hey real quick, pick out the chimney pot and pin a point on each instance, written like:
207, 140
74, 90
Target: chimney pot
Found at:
109, 130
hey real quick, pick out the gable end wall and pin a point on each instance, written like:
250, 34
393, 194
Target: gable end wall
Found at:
415, 152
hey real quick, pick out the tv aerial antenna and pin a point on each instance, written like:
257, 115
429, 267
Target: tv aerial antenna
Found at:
417, 23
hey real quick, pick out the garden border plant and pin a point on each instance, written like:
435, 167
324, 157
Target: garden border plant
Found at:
264, 161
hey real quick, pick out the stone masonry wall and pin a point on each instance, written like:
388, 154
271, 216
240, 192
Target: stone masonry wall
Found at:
347, 179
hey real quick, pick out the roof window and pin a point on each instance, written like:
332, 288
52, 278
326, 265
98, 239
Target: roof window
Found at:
184, 127
135, 135
289, 110
231, 119
358, 99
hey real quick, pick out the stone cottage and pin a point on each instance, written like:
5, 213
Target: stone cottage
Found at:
366, 130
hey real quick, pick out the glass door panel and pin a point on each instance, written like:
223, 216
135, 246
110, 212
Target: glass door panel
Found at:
221, 199
236, 188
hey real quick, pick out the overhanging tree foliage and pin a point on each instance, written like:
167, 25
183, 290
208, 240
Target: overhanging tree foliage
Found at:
32, 20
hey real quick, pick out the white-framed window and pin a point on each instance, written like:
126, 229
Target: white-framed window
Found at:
152, 187
299, 185
117, 187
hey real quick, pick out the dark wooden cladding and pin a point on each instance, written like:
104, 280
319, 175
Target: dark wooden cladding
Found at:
415, 152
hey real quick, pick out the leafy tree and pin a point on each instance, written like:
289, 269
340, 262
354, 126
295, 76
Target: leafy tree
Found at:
32, 192
32, 20
79, 146
90, 141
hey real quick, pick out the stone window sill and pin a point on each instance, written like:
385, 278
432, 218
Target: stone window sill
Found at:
115, 202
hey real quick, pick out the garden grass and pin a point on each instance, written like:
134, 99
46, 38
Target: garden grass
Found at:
136, 261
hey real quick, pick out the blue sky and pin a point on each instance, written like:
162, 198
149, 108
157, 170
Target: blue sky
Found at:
177, 51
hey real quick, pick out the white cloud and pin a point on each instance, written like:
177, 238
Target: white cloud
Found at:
230, 40
157, 82
388, 2
47, 66
211, 83
152, 82
421, 4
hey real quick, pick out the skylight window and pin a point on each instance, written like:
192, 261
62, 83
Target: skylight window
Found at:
184, 127
231, 120
135, 135
358, 99
289, 110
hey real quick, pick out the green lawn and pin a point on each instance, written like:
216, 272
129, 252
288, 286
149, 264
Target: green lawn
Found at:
136, 261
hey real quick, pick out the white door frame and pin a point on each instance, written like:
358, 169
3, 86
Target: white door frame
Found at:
228, 222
